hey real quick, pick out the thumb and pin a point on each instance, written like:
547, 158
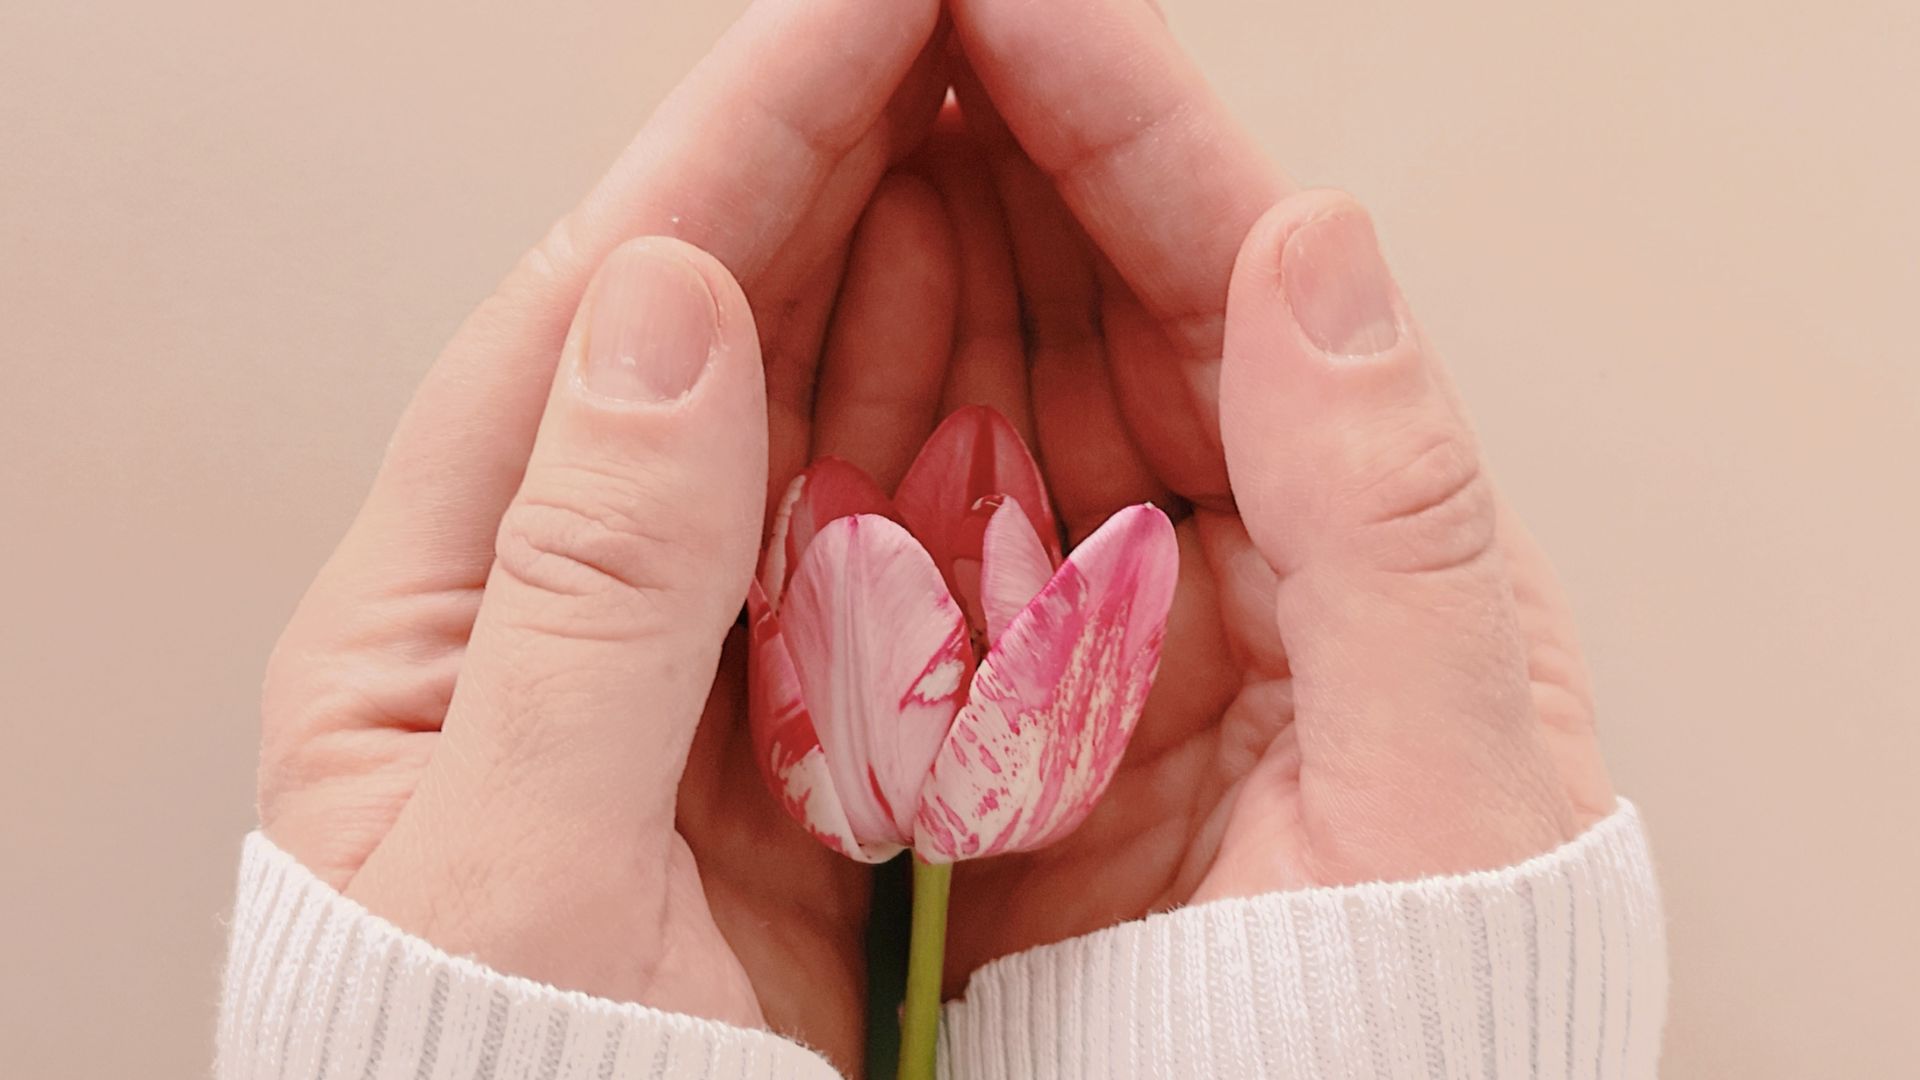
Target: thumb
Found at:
625, 554
1359, 481
620, 564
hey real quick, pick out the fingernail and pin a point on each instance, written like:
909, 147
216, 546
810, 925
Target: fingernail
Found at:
652, 327
1338, 286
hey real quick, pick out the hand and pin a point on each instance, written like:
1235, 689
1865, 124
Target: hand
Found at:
1369, 672
483, 715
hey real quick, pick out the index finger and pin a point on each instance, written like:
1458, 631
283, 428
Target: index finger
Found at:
773, 141
1164, 180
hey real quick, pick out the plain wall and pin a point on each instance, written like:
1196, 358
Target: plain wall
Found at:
1672, 251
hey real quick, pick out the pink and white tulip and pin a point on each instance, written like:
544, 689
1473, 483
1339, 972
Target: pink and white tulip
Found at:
878, 722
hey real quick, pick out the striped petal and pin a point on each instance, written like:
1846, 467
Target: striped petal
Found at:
828, 489
974, 454
1014, 567
883, 659
784, 741
1056, 699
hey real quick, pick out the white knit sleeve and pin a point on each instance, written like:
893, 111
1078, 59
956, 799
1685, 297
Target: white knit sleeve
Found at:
319, 988
1555, 968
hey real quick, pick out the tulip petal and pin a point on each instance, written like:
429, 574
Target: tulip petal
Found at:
1014, 567
974, 454
1056, 699
828, 489
784, 743
883, 659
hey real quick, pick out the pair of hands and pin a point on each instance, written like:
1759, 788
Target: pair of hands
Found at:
509, 715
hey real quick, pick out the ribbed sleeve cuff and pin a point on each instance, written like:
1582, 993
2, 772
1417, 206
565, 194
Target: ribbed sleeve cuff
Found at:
1555, 968
318, 988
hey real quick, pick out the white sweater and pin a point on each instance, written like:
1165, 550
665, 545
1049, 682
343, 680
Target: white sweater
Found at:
1553, 968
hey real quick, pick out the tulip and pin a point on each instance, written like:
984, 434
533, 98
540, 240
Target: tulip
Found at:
928, 672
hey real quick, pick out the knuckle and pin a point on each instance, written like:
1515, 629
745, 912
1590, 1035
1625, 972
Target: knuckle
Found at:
546, 275
556, 255
296, 707
609, 554
284, 769
577, 547
342, 717
1424, 506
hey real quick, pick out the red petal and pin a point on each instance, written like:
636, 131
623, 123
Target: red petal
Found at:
829, 489
974, 454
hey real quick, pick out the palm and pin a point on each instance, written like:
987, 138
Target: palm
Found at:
792, 911
967, 282
1221, 696
354, 714
1224, 691
930, 305
1099, 383
930, 284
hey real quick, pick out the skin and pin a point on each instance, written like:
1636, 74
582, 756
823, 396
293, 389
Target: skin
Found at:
1370, 672
509, 715
487, 750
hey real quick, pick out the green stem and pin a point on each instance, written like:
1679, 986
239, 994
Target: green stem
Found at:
927, 948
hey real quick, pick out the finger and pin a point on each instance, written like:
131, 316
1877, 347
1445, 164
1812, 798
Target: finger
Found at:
1562, 686
1106, 103
1164, 182
1360, 482
989, 362
1093, 467
892, 332
791, 338
624, 555
621, 563
1171, 405
799, 289
783, 129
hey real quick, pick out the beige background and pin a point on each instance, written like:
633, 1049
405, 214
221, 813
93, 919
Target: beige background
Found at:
1672, 249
